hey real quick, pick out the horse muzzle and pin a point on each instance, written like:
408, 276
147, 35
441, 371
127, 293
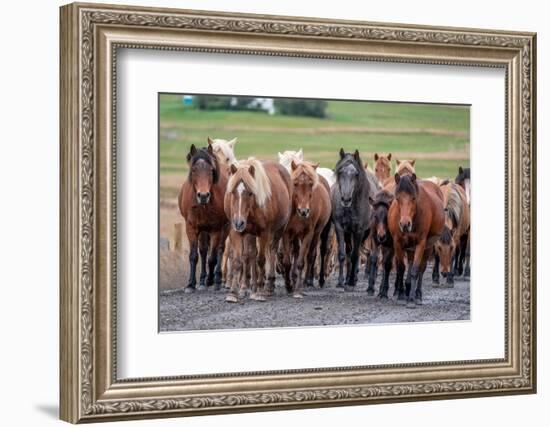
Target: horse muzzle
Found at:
346, 202
405, 227
303, 212
239, 225
203, 198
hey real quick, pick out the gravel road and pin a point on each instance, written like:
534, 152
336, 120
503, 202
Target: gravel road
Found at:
207, 309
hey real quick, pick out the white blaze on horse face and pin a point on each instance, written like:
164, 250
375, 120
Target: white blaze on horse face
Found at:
240, 190
467, 190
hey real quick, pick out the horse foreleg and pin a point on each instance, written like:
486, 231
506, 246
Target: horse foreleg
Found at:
372, 268
415, 294
249, 274
467, 257
203, 250
192, 235
273, 249
422, 269
224, 262
300, 264
215, 241
236, 245
400, 259
435, 270
408, 281
341, 254
263, 241
354, 258
287, 264
325, 234
387, 262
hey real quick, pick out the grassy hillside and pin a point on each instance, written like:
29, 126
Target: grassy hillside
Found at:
437, 136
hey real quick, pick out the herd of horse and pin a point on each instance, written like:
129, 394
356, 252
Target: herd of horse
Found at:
298, 220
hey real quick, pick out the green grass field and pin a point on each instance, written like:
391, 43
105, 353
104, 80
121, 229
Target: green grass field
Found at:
436, 136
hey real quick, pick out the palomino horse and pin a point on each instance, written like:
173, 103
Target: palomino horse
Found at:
463, 179
310, 214
381, 238
224, 151
201, 203
350, 213
257, 202
287, 157
382, 167
457, 226
416, 220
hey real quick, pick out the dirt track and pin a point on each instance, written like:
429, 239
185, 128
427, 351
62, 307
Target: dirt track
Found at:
328, 306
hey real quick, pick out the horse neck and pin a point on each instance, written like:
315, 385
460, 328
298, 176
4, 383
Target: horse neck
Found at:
363, 187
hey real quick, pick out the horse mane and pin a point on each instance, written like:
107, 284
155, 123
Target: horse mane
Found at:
453, 204
306, 168
221, 145
446, 236
258, 184
407, 185
405, 167
372, 180
383, 197
204, 154
286, 158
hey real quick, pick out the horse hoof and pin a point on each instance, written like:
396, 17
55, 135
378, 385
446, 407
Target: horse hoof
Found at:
260, 298
418, 301
436, 285
383, 296
298, 296
189, 290
370, 292
231, 298
411, 304
339, 285
349, 288
202, 288
242, 294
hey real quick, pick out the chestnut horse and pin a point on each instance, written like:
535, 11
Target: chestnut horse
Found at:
382, 240
257, 202
448, 249
201, 203
286, 157
382, 167
311, 211
416, 220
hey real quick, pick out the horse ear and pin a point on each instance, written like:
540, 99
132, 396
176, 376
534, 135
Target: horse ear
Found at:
315, 165
342, 153
376, 157
251, 170
413, 162
460, 170
398, 162
192, 152
210, 149
293, 165
357, 157
389, 156
371, 201
300, 154
232, 143
280, 156
210, 142
233, 169
397, 178
413, 177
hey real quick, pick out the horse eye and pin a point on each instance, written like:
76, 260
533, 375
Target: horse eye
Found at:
250, 193
227, 159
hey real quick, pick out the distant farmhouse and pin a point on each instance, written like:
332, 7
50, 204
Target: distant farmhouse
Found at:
265, 104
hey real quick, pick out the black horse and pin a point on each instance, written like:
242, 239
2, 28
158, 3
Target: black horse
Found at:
383, 241
350, 213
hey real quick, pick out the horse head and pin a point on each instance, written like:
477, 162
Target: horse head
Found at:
304, 179
406, 193
349, 171
223, 150
248, 188
405, 167
380, 203
289, 156
463, 179
445, 248
203, 172
382, 166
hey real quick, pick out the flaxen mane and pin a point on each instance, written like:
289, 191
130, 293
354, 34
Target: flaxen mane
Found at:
258, 184
405, 167
307, 168
453, 204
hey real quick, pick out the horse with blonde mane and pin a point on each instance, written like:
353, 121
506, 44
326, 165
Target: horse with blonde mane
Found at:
310, 215
224, 151
403, 167
448, 249
257, 202
287, 157
382, 167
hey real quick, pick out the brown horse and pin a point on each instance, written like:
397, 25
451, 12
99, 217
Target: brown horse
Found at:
457, 227
257, 202
201, 203
311, 211
416, 220
382, 167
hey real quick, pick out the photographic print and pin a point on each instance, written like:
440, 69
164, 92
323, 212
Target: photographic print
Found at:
287, 212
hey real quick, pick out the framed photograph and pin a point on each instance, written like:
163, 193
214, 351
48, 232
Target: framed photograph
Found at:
266, 213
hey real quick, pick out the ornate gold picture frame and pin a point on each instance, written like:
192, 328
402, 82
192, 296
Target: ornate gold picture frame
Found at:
90, 37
